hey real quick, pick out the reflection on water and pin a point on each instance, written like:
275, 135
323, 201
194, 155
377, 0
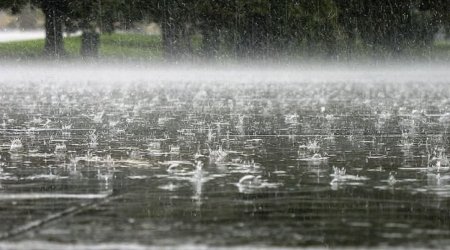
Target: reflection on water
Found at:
323, 164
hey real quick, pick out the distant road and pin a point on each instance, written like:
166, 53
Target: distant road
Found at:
19, 35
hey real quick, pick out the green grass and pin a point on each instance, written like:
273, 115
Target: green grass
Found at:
113, 46
442, 49
149, 47
30, 49
131, 46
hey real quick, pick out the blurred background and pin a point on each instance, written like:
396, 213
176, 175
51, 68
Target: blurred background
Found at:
274, 30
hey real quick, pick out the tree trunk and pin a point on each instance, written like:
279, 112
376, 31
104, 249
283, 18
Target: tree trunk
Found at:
54, 44
90, 41
210, 41
170, 41
175, 33
170, 30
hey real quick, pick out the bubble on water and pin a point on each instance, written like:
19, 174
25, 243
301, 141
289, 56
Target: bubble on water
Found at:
16, 145
250, 181
180, 167
174, 149
169, 187
217, 155
93, 140
392, 180
60, 148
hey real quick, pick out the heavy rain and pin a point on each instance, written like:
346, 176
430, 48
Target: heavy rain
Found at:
224, 124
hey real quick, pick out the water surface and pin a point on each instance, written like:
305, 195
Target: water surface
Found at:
242, 157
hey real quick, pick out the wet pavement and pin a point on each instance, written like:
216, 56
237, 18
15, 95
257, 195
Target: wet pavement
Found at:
255, 164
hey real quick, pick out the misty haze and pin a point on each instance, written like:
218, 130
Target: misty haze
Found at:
244, 124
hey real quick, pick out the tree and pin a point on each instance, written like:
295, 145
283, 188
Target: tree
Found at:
439, 10
175, 17
390, 26
251, 28
54, 11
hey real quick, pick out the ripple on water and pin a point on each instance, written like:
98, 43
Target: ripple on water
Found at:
266, 151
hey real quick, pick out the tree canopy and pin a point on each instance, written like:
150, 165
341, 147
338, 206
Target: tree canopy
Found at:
255, 28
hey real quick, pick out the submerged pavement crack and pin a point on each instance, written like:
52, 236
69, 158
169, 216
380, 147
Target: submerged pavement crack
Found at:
56, 216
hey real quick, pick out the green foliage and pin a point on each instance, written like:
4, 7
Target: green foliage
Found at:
113, 46
145, 47
130, 46
25, 49
264, 28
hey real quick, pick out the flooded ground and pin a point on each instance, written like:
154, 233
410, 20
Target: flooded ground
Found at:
97, 158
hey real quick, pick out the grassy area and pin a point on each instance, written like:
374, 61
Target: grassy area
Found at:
130, 46
442, 49
149, 47
119, 46
23, 49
